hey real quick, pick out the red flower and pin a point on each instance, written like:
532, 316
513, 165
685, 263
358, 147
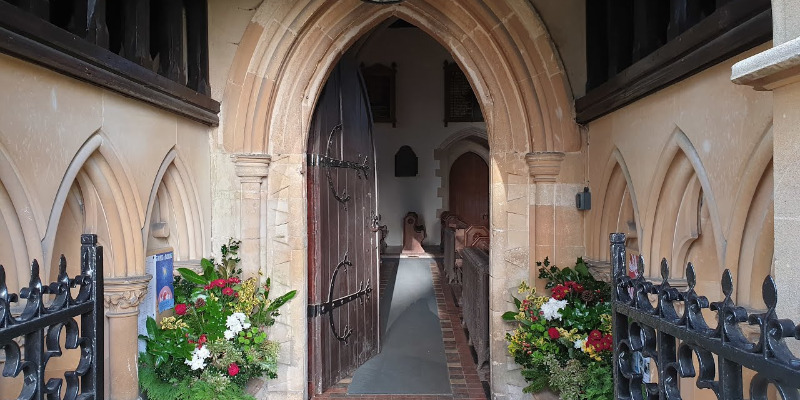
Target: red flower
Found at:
207, 287
180, 309
219, 283
553, 332
559, 292
595, 334
202, 339
227, 291
234, 280
233, 369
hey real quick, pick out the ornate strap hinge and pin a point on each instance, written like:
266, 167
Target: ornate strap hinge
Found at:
315, 310
328, 162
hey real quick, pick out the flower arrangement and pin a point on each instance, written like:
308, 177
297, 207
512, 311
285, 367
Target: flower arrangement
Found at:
563, 342
217, 339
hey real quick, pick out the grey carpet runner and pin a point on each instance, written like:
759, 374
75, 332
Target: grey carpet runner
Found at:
412, 360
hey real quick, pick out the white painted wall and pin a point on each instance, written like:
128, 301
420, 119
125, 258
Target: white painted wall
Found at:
420, 114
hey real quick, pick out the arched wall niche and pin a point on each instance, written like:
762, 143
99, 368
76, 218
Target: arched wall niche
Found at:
751, 241
682, 221
19, 236
617, 210
96, 196
173, 216
503, 49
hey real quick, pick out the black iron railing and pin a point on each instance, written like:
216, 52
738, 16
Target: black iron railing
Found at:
31, 339
677, 341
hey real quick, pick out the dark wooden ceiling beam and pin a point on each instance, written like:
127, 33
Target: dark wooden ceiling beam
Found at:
28, 37
737, 26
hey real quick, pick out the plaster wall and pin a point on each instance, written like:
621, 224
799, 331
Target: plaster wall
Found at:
420, 114
687, 174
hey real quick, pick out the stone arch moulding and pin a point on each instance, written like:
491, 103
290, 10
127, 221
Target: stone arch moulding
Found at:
96, 167
679, 161
616, 181
280, 67
19, 217
751, 229
503, 48
174, 191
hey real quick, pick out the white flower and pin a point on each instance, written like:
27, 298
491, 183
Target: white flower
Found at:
198, 360
195, 363
552, 307
236, 323
579, 343
202, 352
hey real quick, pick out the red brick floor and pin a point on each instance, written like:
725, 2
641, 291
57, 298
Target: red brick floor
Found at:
464, 381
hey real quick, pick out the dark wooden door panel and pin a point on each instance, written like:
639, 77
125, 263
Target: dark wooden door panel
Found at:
341, 200
469, 189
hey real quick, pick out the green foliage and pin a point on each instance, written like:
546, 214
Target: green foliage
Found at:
598, 382
188, 388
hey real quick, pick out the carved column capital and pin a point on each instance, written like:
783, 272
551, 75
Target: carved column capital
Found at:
252, 167
122, 296
544, 166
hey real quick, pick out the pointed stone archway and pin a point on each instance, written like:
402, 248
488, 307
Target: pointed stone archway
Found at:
279, 69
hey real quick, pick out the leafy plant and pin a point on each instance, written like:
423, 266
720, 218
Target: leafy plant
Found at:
563, 341
217, 339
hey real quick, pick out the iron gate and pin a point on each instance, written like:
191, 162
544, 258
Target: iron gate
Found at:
31, 339
674, 340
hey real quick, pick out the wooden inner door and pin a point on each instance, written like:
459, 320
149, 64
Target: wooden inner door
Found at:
469, 189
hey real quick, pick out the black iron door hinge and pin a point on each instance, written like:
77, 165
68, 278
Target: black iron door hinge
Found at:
315, 310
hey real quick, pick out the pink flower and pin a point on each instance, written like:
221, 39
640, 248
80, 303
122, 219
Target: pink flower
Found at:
180, 309
554, 334
233, 369
202, 340
228, 291
234, 280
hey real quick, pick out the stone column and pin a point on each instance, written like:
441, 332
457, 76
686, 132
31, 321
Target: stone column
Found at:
121, 297
544, 167
252, 169
778, 70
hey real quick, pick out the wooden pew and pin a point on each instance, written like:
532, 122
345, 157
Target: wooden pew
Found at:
413, 234
475, 304
453, 230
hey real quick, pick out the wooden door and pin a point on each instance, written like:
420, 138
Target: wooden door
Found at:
342, 233
469, 189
